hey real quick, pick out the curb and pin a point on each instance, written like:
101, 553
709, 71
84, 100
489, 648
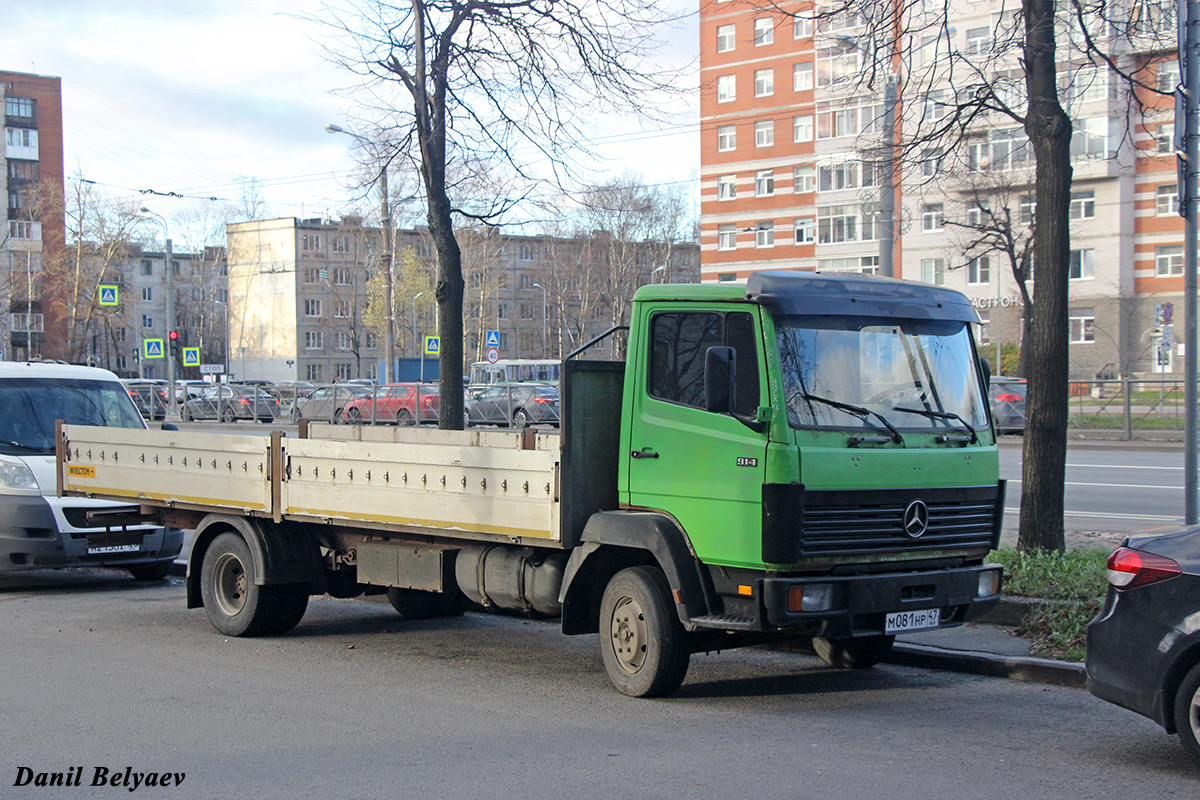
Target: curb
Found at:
1022, 668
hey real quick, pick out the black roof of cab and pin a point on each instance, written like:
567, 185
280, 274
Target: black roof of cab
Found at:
787, 292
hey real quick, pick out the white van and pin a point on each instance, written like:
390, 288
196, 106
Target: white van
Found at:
38, 529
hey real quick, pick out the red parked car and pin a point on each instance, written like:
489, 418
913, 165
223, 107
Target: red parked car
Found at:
399, 403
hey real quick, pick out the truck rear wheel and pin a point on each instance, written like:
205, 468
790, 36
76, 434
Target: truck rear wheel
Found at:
863, 652
416, 604
235, 605
642, 642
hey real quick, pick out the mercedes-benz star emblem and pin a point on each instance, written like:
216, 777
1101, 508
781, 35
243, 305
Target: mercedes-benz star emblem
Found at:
916, 519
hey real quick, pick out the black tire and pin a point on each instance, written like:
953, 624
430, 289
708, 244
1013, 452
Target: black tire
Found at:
416, 604
520, 419
642, 643
151, 572
235, 605
1187, 713
863, 652
228, 415
295, 414
404, 417
354, 416
185, 415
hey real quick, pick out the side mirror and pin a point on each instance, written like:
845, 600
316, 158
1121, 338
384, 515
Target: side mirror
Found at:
986, 367
719, 369
170, 426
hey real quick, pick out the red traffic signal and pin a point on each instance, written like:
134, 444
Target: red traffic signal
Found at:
174, 335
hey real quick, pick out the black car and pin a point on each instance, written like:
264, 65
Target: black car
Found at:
1143, 650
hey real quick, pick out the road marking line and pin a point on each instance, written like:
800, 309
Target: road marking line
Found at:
1110, 485
1102, 515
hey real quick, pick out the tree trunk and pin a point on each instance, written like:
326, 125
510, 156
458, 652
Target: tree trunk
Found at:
1045, 445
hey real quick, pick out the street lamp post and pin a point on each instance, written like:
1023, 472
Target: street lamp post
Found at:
385, 212
170, 311
416, 344
545, 321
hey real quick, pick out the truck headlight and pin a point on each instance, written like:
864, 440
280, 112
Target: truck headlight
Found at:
810, 597
15, 475
989, 583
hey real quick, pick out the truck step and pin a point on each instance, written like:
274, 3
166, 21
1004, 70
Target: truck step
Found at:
726, 622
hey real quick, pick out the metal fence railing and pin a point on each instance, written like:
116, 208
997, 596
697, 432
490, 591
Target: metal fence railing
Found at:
1127, 405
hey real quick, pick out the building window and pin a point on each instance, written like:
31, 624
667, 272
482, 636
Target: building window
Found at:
932, 217
764, 31
502, 311
312, 275
20, 137
933, 270
837, 63
1083, 204
1166, 76
727, 237
369, 340
345, 341
1089, 139
764, 82
837, 120
27, 323
1083, 325
803, 178
836, 224
764, 234
1168, 260
341, 309
802, 76
1166, 199
806, 230
147, 267
147, 294
726, 88
726, 38
147, 321
802, 128
726, 277
837, 176
310, 242
1082, 264
19, 107
1026, 209
526, 253
726, 138
312, 372
1089, 83
343, 372
979, 270
1164, 138
979, 41
341, 276
764, 183
312, 340
867, 265
764, 133
21, 229
312, 308
341, 244
727, 187
976, 214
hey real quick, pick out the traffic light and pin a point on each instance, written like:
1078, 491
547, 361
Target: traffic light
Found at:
173, 336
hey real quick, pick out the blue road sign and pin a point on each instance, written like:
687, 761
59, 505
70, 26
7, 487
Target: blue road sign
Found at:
492, 339
191, 356
431, 345
154, 348
108, 295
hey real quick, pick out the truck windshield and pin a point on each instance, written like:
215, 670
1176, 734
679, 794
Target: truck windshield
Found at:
886, 375
32, 406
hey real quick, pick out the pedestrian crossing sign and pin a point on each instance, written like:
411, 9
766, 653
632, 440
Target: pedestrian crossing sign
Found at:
431, 346
492, 339
154, 348
191, 356
108, 295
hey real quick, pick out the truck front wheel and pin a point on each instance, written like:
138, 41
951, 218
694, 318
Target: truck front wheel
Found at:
863, 652
235, 605
643, 645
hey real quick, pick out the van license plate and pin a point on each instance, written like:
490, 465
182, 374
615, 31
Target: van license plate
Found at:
906, 621
116, 548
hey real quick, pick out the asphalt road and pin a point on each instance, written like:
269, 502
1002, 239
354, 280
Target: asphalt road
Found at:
1110, 487
100, 671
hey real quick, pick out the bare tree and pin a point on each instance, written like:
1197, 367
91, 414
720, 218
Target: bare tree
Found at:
484, 81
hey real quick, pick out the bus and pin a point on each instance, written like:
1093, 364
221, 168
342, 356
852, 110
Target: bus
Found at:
514, 370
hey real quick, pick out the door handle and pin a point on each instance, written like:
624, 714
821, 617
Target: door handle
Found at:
645, 452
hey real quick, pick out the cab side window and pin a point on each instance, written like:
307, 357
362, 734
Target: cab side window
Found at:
679, 341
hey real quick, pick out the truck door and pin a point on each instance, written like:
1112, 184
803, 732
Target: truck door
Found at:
704, 469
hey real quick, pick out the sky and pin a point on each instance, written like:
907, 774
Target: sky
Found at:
195, 97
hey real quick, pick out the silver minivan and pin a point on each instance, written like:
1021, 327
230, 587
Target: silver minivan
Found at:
38, 529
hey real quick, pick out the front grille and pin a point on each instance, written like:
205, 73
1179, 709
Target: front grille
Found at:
855, 523
77, 515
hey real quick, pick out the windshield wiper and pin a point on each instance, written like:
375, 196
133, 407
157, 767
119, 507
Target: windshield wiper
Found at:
858, 411
928, 412
28, 447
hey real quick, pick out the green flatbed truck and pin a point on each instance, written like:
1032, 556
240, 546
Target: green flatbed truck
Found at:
804, 456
